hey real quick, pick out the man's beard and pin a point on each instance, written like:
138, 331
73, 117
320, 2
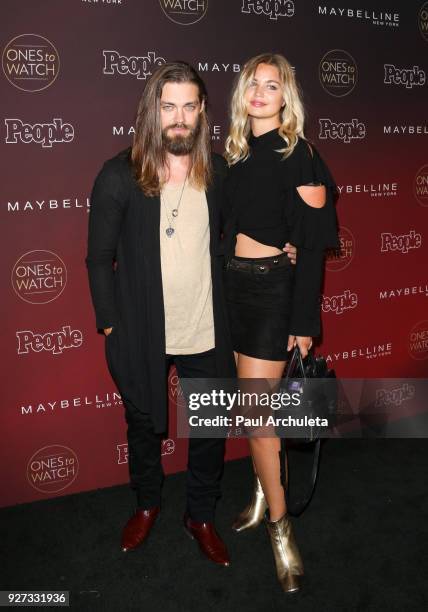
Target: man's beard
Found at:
180, 145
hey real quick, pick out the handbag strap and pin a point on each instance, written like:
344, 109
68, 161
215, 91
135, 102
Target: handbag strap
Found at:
296, 507
296, 363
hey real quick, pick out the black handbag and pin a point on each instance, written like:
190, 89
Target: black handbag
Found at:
316, 387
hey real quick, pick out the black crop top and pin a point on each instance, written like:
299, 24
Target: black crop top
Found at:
262, 202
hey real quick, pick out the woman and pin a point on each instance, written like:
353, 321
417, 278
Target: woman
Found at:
279, 190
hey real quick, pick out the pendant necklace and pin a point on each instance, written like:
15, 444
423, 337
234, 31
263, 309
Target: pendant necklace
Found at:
170, 230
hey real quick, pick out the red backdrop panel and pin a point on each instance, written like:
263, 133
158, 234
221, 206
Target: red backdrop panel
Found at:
72, 75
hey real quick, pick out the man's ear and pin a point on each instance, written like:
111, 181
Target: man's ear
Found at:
202, 106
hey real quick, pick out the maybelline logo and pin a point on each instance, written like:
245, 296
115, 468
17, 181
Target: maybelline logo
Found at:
43, 205
54, 342
381, 18
339, 303
45, 134
140, 66
121, 130
396, 396
107, 400
215, 132
167, 448
405, 130
368, 352
218, 67
400, 242
271, 8
344, 131
376, 190
407, 77
398, 292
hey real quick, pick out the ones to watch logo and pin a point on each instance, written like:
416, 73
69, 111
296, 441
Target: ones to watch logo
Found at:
423, 21
184, 12
175, 392
39, 277
30, 62
341, 258
420, 185
338, 73
52, 468
418, 341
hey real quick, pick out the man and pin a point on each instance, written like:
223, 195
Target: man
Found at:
155, 212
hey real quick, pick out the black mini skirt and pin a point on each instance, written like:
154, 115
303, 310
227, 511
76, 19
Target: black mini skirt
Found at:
259, 298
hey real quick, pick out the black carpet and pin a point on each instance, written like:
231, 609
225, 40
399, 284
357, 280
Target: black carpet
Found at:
363, 541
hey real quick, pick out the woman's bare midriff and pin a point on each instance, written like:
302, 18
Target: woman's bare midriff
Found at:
247, 247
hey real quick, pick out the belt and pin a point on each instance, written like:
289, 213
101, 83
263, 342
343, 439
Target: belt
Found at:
259, 265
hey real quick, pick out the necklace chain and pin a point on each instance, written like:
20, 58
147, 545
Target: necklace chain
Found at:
170, 229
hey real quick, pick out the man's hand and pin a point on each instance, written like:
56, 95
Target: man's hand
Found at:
303, 342
291, 252
108, 330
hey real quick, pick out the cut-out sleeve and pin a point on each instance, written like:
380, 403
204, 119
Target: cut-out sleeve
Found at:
313, 228
312, 231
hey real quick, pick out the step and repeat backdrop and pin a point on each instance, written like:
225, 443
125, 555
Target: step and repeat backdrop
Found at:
72, 74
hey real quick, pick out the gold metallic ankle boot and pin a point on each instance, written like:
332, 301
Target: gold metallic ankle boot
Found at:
253, 514
288, 561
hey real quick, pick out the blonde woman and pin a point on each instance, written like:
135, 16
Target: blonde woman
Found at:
279, 190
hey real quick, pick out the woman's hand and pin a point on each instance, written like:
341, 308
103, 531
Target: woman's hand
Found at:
303, 342
291, 251
108, 330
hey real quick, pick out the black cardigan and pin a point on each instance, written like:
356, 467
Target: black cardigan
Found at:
124, 228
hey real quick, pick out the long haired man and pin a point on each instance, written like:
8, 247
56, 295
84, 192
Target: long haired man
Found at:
156, 283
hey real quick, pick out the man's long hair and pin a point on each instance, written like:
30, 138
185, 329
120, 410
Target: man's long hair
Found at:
148, 150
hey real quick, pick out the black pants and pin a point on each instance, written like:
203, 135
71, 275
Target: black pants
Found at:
205, 457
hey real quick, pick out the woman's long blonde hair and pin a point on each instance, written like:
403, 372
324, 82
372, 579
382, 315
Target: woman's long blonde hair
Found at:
292, 115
